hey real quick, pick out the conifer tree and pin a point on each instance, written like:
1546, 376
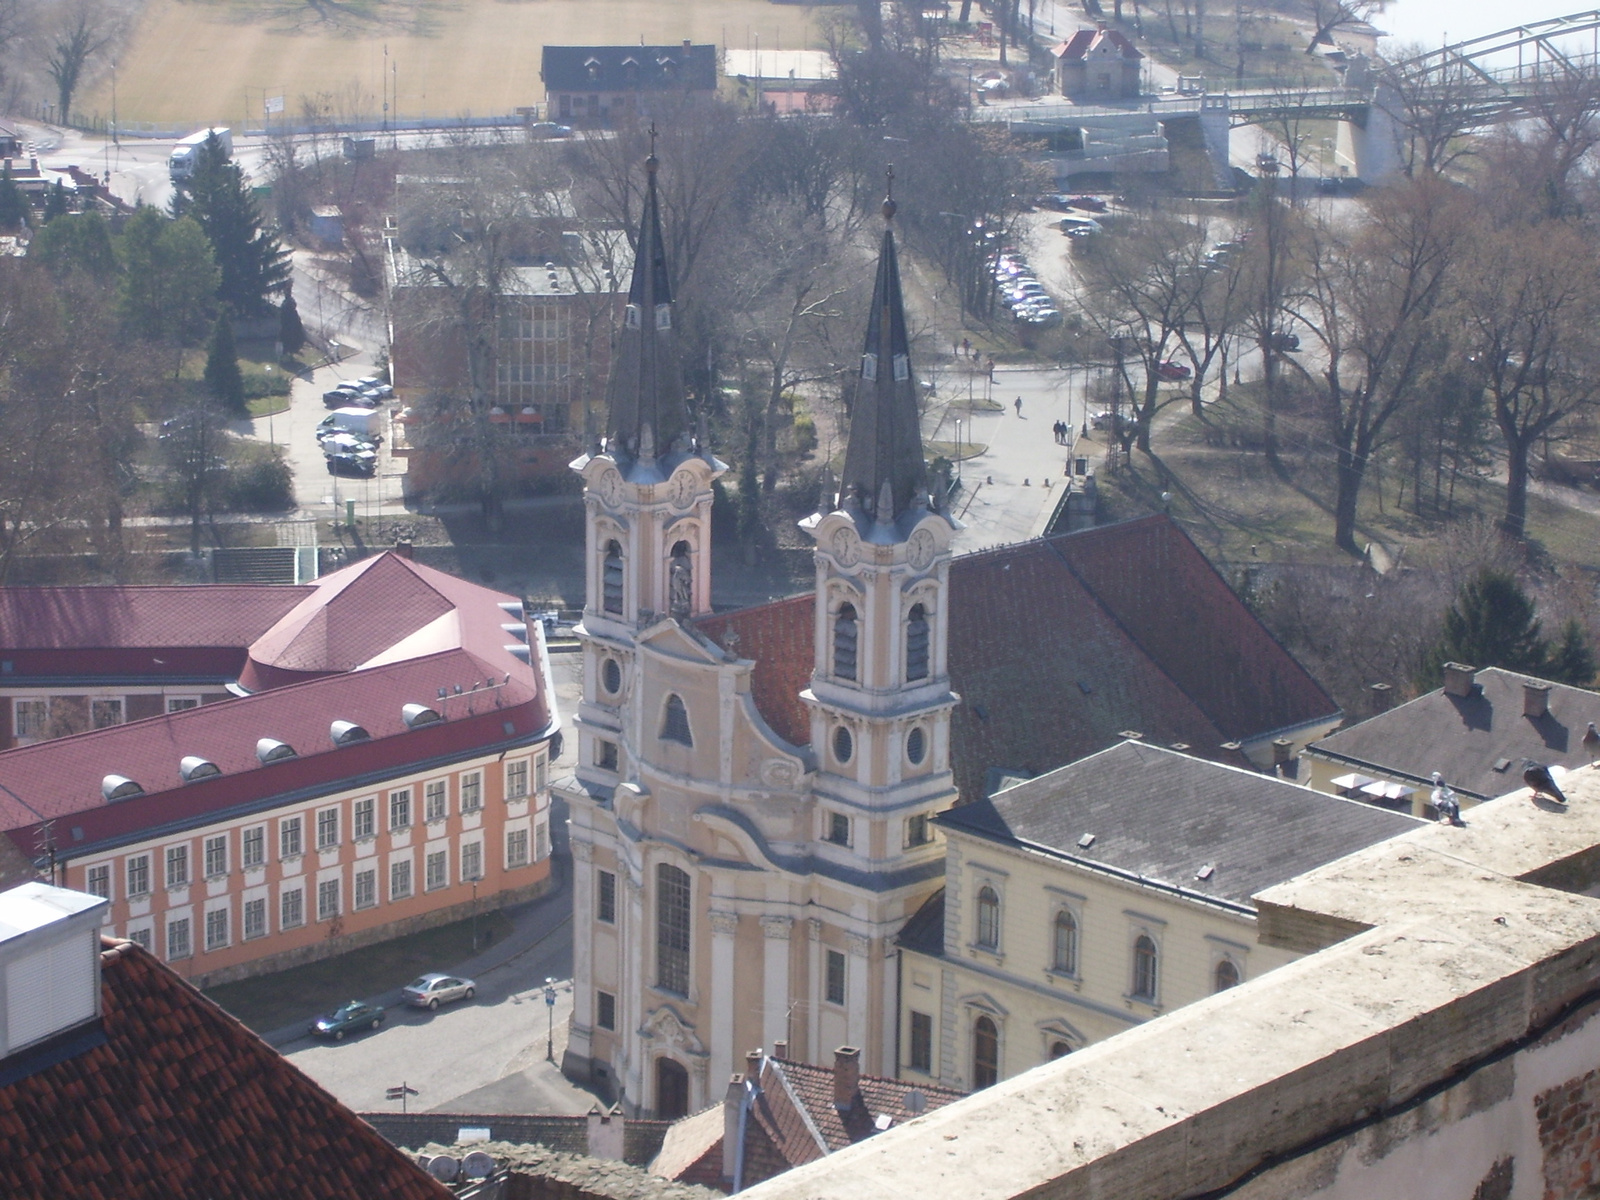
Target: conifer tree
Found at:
55, 203
1491, 624
291, 331
254, 264
223, 379
1572, 661
13, 205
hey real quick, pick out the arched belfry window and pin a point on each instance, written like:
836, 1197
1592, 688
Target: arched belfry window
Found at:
611, 579
675, 722
845, 633
917, 643
680, 582
672, 929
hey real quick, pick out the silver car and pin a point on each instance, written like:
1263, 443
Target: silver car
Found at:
434, 989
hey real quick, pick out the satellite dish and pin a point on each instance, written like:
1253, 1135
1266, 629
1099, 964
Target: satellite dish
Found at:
477, 1165
444, 1168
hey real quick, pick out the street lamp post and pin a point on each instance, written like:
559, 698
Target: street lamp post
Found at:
550, 1014
271, 404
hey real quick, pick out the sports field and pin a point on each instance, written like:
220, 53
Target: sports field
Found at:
193, 62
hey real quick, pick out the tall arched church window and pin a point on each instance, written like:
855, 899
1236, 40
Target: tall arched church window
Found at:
985, 1053
672, 929
845, 632
1066, 944
917, 643
680, 582
611, 579
1144, 968
988, 918
1225, 976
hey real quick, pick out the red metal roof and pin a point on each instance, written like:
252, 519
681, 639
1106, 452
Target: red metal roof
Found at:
1084, 41
183, 1101
95, 618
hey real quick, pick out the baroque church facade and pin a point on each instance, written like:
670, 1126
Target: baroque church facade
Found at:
751, 814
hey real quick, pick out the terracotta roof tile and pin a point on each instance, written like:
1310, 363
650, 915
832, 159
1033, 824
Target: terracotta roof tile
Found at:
74, 618
183, 1101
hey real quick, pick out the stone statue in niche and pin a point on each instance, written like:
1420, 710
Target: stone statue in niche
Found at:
680, 586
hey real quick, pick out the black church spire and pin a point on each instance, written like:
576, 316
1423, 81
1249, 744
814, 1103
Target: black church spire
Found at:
647, 408
884, 456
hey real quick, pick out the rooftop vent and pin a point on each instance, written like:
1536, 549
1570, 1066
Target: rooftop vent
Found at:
1206, 872
119, 787
415, 715
270, 750
1133, 735
49, 965
1086, 841
1458, 679
193, 768
344, 733
520, 651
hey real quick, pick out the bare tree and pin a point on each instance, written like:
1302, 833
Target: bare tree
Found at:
1435, 111
1328, 16
75, 43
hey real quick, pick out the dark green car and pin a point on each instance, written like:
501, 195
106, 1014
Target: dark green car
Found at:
352, 1018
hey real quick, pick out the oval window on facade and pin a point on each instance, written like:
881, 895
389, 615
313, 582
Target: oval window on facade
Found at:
843, 744
917, 745
611, 676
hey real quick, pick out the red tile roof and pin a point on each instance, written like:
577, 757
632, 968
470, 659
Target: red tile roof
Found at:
62, 778
183, 1101
1058, 646
1084, 41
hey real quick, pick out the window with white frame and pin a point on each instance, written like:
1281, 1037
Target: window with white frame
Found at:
178, 866
138, 875
917, 643
541, 846
362, 818
1146, 975
327, 828
835, 977
142, 936
673, 922
104, 712
541, 772
1064, 944
216, 856
97, 881
435, 801
605, 1010
255, 919
517, 779
289, 837
471, 860
917, 830
988, 918
516, 848
366, 895
29, 718
438, 871
327, 899
253, 846
178, 943
606, 896
216, 929
400, 880
182, 703
400, 809
838, 829
292, 909
471, 791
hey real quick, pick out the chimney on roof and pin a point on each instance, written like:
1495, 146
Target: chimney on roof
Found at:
752, 1064
780, 1049
846, 1077
732, 1105
606, 1129
1458, 678
687, 46
1382, 697
1280, 751
1535, 699
404, 548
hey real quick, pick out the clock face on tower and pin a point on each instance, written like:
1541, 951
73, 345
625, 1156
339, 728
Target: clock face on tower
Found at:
611, 487
846, 547
920, 549
682, 489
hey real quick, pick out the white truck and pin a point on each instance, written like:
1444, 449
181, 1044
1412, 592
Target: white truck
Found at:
186, 154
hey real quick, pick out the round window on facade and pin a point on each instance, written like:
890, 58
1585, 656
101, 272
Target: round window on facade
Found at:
611, 676
843, 744
917, 746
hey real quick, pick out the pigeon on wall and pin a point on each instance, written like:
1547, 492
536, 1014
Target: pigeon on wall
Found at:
1445, 802
1538, 777
1591, 743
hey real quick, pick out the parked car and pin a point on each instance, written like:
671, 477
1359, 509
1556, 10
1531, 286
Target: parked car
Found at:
1088, 203
1172, 371
1283, 341
371, 385
434, 989
359, 465
1077, 226
544, 130
1059, 201
346, 395
352, 1017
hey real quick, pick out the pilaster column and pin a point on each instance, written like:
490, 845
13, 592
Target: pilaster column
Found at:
775, 998
722, 1028
814, 1004
631, 986
582, 1021
855, 989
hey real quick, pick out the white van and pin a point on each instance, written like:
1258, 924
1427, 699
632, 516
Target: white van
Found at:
365, 423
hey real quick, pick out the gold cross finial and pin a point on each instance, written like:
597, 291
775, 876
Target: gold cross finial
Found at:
888, 194
651, 162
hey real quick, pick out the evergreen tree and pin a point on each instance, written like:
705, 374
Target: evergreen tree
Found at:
254, 265
1491, 624
1572, 661
77, 242
55, 203
13, 205
291, 332
224, 381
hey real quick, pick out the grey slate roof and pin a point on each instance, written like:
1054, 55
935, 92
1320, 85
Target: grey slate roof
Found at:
924, 932
1163, 815
629, 68
1463, 737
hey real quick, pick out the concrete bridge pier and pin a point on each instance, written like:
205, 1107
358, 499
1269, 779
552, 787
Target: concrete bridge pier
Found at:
1216, 129
1375, 146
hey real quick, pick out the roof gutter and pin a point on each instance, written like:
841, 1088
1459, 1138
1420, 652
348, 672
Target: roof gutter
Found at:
1349, 761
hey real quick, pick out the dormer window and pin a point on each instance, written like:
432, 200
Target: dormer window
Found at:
902, 368
630, 316
869, 367
663, 316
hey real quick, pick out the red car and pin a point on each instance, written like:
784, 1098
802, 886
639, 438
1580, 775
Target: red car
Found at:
1172, 371
1087, 203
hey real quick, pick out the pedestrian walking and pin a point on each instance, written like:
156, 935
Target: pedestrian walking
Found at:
1018, 403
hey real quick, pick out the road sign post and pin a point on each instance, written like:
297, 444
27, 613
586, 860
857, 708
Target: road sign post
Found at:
400, 1093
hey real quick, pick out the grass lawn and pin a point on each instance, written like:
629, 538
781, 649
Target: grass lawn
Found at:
948, 450
196, 61
270, 1002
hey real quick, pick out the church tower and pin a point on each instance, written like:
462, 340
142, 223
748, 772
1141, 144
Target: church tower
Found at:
880, 698
647, 505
